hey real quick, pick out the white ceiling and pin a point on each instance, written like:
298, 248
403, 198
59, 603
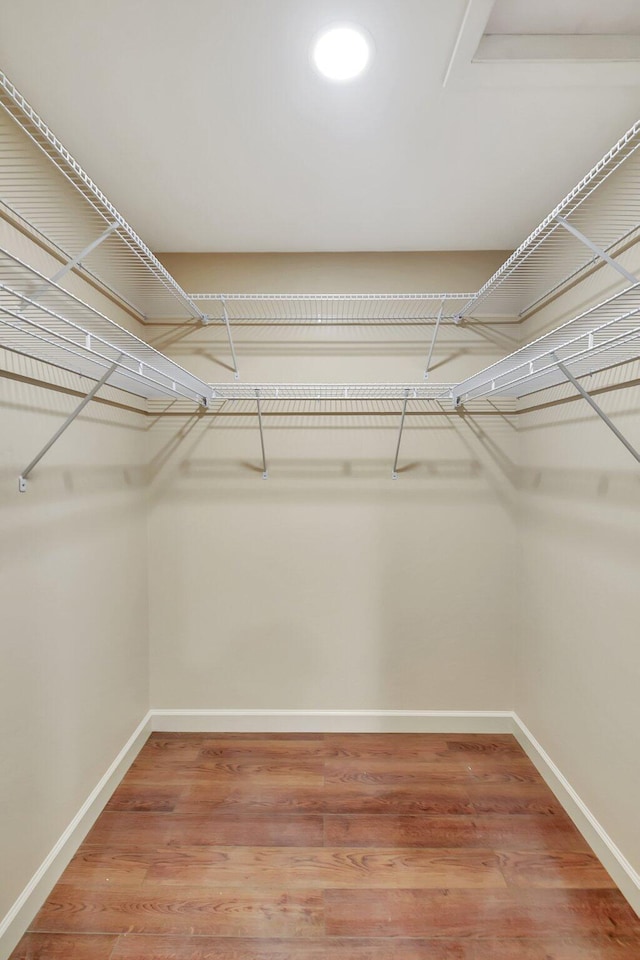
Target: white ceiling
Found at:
204, 122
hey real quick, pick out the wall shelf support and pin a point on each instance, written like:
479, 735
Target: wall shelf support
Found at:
599, 252
592, 403
433, 340
74, 262
22, 481
265, 472
225, 313
394, 472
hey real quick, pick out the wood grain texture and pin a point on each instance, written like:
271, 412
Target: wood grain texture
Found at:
113, 829
326, 948
352, 798
463, 914
82, 946
166, 948
204, 911
501, 832
333, 847
322, 867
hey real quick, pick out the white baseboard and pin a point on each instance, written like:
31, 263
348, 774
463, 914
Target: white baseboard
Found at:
20, 915
612, 858
17, 920
333, 721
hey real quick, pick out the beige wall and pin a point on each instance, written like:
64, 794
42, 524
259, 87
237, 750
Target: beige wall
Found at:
330, 585
578, 670
73, 596
411, 272
578, 666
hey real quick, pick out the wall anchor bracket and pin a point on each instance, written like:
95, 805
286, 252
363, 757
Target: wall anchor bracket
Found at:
265, 471
599, 252
592, 403
433, 340
22, 480
225, 313
394, 472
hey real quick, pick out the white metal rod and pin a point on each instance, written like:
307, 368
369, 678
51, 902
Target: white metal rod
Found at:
394, 472
236, 372
84, 253
433, 340
592, 403
265, 472
70, 264
22, 482
597, 250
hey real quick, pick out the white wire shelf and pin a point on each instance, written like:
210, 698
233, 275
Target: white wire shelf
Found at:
329, 391
604, 207
603, 336
42, 185
41, 320
283, 308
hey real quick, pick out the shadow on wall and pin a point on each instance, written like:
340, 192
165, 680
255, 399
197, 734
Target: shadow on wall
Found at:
332, 469
554, 437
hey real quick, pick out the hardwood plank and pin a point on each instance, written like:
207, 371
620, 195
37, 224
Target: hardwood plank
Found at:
204, 948
321, 867
90, 865
513, 798
503, 743
404, 773
555, 869
168, 750
204, 827
151, 798
45, 946
488, 768
265, 750
389, 746
463, 913
333, 798
504, 832
192, 911
494, 768
576, 948
238, 736
211, 770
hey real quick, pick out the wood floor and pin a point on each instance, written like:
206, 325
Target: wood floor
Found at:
344, 847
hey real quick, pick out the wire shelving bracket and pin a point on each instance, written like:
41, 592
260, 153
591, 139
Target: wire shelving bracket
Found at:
598, 409
22, 479
394, 471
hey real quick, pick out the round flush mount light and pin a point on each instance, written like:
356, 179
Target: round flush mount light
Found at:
342, 52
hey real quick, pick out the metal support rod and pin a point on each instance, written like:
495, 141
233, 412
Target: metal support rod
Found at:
599, 252
265, 472
433, 340
84, 253
70, 264
236, 372
592, 403
22, 482
394, 472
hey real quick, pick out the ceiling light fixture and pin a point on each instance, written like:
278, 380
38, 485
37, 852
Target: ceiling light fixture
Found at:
342, 52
